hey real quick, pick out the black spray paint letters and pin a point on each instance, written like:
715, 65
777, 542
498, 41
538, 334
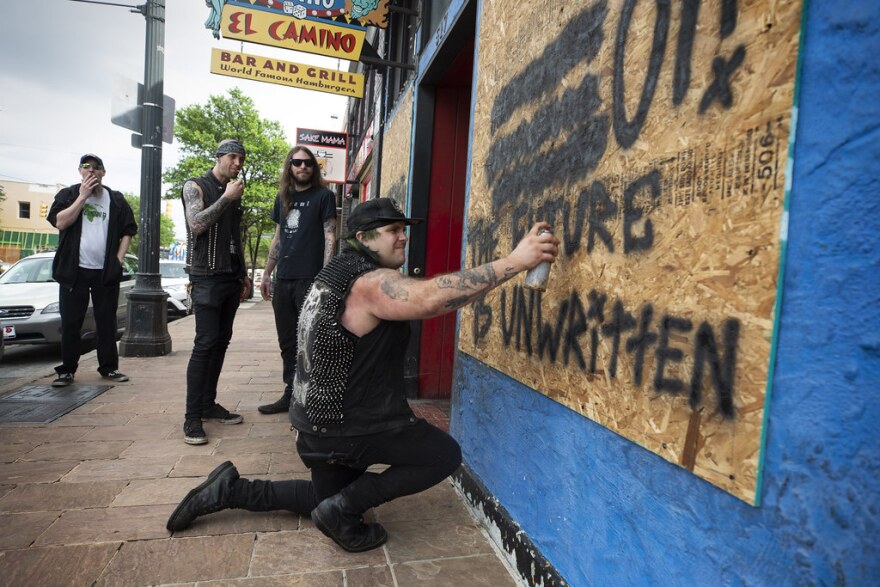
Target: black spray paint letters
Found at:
577, 121
627, 131
589, 220
572, 337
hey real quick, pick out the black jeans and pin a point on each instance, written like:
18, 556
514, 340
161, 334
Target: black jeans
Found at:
287, 301
214, 305
73, 304
419, 456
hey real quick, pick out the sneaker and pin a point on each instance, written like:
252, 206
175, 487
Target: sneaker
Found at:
193, 433
222, 415
64, 379
116, 376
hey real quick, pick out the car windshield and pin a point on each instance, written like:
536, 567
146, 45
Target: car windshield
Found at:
172, 270
38, 270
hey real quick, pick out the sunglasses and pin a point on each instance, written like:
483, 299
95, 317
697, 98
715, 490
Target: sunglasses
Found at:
301, 162
95, 166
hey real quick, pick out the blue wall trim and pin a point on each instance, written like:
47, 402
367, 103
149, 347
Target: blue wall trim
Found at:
604, 511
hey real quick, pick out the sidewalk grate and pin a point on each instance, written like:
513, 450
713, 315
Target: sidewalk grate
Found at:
41, 404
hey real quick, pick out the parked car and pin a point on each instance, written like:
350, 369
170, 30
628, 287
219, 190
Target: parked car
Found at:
175, 282
4, 266
29, 308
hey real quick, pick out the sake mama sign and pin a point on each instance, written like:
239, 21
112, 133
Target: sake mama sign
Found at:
330, 149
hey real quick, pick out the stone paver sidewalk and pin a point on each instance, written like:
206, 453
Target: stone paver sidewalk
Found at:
84, 499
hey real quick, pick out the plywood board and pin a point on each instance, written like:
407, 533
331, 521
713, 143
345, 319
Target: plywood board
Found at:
396, 150
654, 137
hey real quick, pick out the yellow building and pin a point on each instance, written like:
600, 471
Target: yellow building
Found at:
23, 226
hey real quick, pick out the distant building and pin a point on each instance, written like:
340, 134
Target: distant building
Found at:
23, 226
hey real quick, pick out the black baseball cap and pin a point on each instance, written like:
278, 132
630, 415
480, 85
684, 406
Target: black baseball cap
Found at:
375, 213
92, 156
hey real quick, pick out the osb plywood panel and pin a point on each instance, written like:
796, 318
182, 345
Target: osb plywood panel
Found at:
396, 149
653, 136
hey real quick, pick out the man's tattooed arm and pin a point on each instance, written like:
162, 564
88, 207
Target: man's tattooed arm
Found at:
450, 291
386, 294
274, 253
472, 283
395, 288
329, 239
199, 218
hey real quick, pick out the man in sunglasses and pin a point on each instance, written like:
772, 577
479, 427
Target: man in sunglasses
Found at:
304, 241
349, 402
215, 261
96, 225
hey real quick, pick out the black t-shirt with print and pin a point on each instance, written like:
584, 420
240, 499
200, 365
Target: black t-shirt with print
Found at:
301, 253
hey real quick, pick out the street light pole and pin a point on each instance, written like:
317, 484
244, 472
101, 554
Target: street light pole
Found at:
147, 331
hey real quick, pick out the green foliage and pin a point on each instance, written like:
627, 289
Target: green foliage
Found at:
166, 225
199, 128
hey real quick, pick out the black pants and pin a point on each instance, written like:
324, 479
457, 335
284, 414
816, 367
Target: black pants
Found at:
419, 456
73, 304
287, 301
214, 305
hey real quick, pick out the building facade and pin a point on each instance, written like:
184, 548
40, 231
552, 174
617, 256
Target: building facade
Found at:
23, 226
693, 400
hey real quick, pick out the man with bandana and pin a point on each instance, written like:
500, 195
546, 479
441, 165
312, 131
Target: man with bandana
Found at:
215, 262
349, 404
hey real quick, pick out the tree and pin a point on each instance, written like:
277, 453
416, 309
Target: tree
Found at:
199, 128
166, 225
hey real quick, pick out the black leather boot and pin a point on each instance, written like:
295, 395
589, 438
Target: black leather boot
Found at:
282, 405
336, 519
209, 497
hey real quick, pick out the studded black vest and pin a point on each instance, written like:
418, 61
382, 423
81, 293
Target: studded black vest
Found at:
347, 385
210, 253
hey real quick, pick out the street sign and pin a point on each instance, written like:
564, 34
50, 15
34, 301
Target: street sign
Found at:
126, 109
331, 151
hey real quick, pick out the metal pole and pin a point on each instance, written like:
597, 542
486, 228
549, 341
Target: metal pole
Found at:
147, 332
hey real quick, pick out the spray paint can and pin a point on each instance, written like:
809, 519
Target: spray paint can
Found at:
537, 277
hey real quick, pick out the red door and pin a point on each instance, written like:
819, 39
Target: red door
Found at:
445, 221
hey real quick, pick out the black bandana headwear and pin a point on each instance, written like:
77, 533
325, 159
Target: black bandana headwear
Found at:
230, 146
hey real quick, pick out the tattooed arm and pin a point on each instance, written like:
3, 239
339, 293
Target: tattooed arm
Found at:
329, 239
271, 263
199, 218
385, 294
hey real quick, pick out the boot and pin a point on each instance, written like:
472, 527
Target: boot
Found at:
336, 519
282, 405
209, 497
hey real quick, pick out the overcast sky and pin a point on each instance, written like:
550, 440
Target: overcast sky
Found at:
60, 59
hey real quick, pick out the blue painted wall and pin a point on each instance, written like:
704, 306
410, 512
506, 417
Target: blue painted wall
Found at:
607, 512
